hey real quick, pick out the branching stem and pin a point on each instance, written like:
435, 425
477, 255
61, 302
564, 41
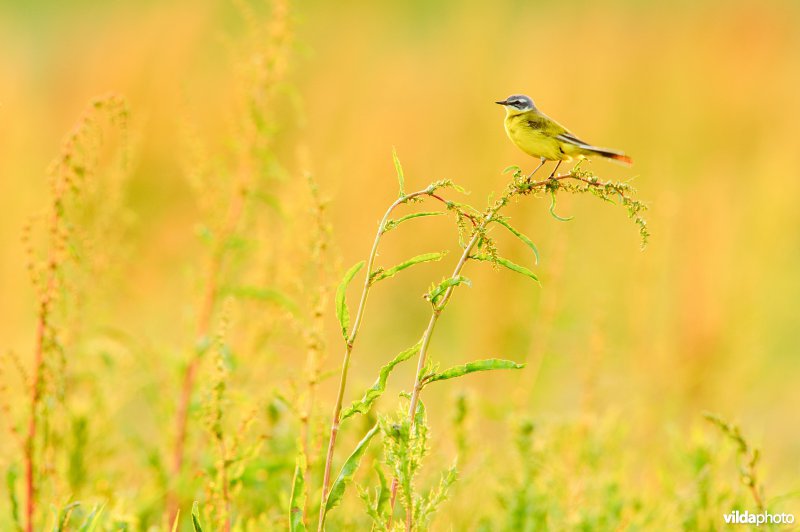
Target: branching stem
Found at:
524, 187
350, 340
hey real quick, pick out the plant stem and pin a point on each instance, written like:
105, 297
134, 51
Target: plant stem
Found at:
235, 210
30, 487
226, 502
426, 338
349, 342
46, 302
438, 307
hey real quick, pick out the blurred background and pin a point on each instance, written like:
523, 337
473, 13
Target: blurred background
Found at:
702, 95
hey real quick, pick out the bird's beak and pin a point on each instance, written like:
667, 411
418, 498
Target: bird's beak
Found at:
503, 102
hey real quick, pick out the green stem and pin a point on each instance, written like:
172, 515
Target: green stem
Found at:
337, 410
438, 308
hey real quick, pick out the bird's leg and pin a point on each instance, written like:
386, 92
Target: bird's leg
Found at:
536, 169
554, 170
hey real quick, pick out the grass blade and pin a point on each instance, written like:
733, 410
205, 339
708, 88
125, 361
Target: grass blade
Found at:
380, 275
508, 264
363, 405
341, 304
297, 502
399, 169
176, 521
471, 367
93, 519
528, 242
348, 470
196, 517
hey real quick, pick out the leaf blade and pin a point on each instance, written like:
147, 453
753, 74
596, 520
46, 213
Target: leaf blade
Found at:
508, 264
439, 290
401, 179
196, 517
528, 242
391, 224
363, 405
380, 275
342, 314
348, 471
553, 209
297, 501
488, 364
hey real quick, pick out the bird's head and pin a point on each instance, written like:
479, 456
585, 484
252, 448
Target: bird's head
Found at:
517, 103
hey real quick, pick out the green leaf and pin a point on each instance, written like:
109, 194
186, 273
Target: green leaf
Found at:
267, 295
399, 169
363, 405
91, 521
348, 470
511, 168
553, 208
508, 264
297, 502
176, 521
391, 224
341, 305
435, 293
11, 481
196, 517
472, 367
384, 493
445, 183
380, 275
64, 515
528, 242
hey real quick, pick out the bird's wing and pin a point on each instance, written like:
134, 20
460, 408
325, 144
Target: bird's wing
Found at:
566, 136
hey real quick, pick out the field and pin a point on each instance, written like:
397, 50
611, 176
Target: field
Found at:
207, 313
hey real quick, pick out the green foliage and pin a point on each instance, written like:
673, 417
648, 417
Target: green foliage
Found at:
399, 169
508, 264
348, 470
363, 405
435, 292
748, 457
297, 501
392, 224
342, 314
266, 295
196, 517
405, 449
92, 520
429, 503
11, 485
63, 516
553, 208
381, 274
377, 507
528, 242
471, 367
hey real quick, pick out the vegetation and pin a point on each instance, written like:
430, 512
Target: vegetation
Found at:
209, 399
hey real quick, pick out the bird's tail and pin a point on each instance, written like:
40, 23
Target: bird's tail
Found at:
613, 155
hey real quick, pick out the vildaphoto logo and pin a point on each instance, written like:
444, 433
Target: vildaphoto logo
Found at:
747, 518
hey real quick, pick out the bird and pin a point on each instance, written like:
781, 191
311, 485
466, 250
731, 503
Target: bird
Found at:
540, 136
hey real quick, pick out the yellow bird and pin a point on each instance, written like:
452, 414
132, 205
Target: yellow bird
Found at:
540, 136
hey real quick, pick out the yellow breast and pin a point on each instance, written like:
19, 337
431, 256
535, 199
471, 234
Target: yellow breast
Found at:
534, 142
